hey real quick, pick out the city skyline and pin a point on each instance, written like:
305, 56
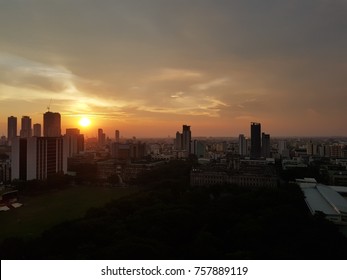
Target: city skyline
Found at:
144, 68
92, 131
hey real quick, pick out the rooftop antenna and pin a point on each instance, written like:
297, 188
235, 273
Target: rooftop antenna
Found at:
49, 105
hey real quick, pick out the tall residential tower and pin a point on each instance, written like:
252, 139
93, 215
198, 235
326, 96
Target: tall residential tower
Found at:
255, 140
11, 129
51, 124
26, 130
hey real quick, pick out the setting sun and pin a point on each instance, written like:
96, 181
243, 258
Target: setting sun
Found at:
84, 122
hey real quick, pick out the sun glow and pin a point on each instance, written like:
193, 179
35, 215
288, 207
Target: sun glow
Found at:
84, 122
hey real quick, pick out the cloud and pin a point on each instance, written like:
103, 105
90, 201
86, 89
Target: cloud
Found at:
177, 95
170, 74
222, 59
211, 84
190, 105
246, 117
27, 73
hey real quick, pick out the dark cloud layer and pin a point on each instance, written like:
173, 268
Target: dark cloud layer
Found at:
228, 59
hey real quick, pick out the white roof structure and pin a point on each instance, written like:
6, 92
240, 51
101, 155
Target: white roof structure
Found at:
316, 202
16, 205
4, 208
339, 189
334, 198
322, 198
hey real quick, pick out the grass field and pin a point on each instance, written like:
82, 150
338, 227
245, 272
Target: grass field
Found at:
43, 211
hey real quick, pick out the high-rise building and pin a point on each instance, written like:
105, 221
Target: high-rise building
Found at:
183, 141
72, 131
11, 129
265, 145
178, 141
312, 148
47, 154
242, 145
101, 137
36, 157
74, 140
51, 124
117, 135
19, 159
255, 140
282, 145
128, 151
73, 144
37, 130
198, 148
283, 149
324, 150
186, 138
26, 130
336, 151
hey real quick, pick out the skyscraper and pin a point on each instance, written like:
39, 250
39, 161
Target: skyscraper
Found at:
36, 157
101, 137
183, 142
242, 145
76, 141
51, 124
255, 140
178, 141
117, 136
265, 145
186, 138
26, 130
19, 158
11, 129
45, 157
73, 144
37, 130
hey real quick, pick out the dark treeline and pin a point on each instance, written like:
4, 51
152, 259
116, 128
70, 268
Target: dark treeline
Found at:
173, 221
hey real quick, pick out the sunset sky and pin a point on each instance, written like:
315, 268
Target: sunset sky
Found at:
147, 67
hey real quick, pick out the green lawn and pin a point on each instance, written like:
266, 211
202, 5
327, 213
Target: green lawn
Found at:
46, 210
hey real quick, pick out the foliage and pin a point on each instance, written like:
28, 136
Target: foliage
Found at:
170, 220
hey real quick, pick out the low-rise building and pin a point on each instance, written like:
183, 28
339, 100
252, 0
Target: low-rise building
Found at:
248, 174
324, 199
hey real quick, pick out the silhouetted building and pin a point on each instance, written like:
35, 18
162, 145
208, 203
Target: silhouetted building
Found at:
73, 144
117, 135
36, 157
11, 129
101, 137
72, 131
242, 145
324, 150
183, 141
26, 130
76, 141
198, 148
255, 140
250, 174
128, 151
178, 141
336, 151
312, 148
5, 171
37, 130
51, 124
282, 148
186, 138
265, 145
19, 158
